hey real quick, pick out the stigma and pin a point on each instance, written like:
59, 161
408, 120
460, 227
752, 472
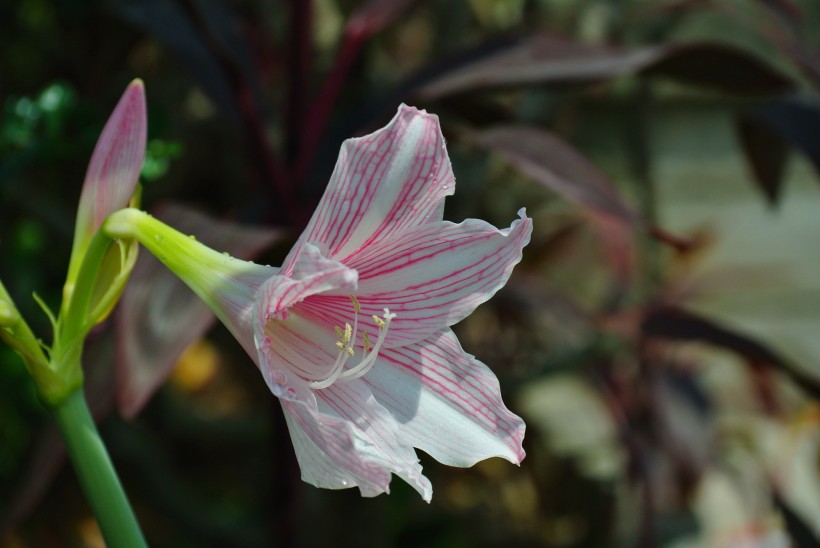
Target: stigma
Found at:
346, 345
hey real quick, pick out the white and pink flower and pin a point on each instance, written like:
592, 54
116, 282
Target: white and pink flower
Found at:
352, 333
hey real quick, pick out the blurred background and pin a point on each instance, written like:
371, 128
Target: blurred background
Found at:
660, 338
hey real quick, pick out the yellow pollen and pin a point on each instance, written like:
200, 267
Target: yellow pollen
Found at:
346, 345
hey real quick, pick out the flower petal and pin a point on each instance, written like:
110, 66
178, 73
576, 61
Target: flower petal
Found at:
330, 453
430, 277
446, 402
354, 403
114, 168
343, 437
383, 183
311, 273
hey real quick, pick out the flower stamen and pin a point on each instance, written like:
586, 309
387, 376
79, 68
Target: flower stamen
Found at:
367, 363
346, 343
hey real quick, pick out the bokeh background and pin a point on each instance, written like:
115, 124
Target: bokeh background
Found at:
661, 336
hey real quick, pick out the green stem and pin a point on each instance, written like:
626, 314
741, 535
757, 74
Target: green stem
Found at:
210, 274
96, 473
52, 386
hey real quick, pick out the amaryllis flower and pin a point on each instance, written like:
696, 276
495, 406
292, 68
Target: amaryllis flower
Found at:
352, 333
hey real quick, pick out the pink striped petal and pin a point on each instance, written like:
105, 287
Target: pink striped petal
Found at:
386, 182
331, 453
446, 402
431, 277
354, 403
115, 165
311, 273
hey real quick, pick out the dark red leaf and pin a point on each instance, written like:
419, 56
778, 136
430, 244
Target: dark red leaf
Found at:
559, 167
766, 132
766, 152
535, 60
797, 123
678, 324
721, 67
545, 59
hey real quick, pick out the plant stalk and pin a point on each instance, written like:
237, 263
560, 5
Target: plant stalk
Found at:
96, 473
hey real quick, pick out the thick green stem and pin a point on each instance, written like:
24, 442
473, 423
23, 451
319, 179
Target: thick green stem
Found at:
206, 271
223, 282
96, 473
52, 386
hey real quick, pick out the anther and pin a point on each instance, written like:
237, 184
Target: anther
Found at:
369, 360
346, 344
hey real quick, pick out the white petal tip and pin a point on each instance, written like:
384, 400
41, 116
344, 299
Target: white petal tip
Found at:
408, 110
